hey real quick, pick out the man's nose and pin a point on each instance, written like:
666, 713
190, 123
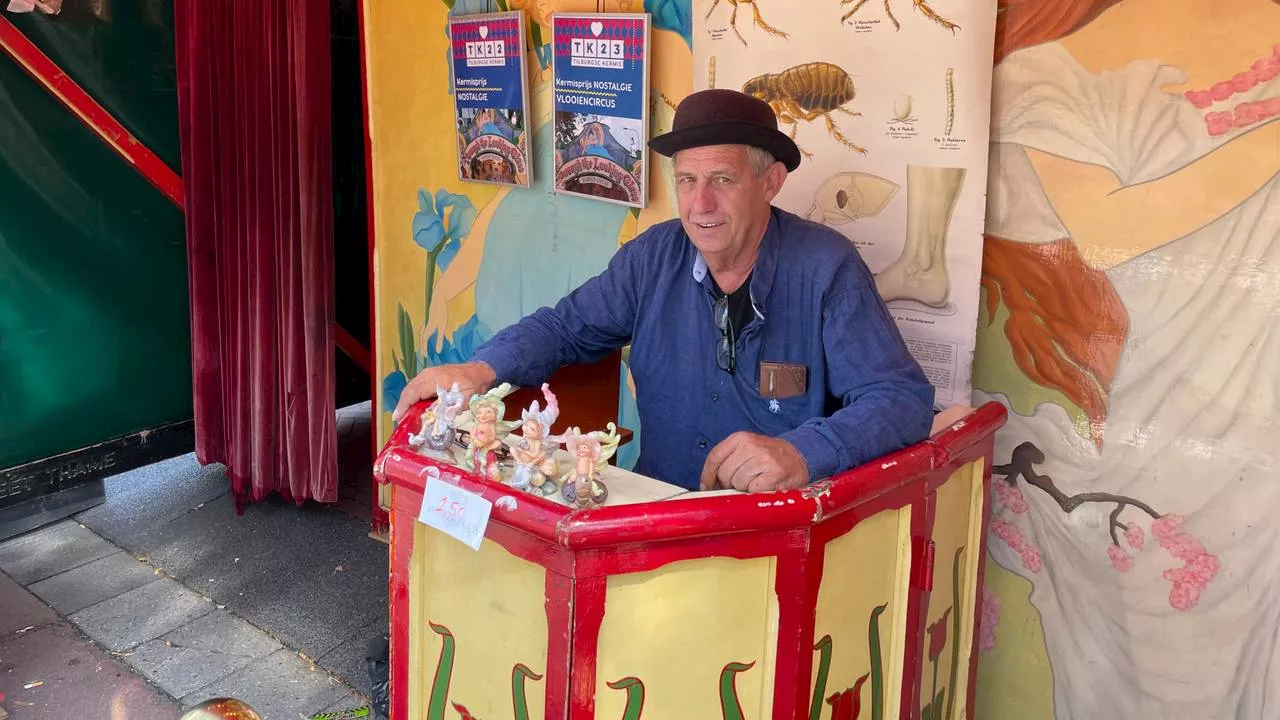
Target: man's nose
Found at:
704, 200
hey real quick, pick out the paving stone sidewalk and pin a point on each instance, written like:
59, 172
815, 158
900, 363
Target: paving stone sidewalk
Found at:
153, 640
163, 597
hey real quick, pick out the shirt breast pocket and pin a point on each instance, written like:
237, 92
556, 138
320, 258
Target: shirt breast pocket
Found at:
777, 415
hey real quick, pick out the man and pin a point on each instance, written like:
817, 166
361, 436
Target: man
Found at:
763, 357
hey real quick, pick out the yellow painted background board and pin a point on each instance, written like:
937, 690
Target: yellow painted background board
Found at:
676, 628
955, 528
867, 567
493, 603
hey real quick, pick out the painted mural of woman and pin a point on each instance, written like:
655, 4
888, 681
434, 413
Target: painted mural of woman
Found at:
1134, 241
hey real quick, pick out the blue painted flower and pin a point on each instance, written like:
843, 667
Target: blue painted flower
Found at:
461, 216
428, 229
442, 222
392, 386
469, 336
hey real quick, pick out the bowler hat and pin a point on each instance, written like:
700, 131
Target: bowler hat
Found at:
727, 117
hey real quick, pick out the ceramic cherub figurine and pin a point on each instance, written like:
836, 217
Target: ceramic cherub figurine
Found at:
535, 466
487, 432
583, 485
437, 432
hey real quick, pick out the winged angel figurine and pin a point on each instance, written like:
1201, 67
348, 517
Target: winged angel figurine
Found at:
583, 485
486, 430
535, 465
436, 434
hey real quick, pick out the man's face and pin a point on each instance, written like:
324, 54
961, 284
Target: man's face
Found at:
724, 204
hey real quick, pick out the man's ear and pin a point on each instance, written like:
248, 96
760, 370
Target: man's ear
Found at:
774, 177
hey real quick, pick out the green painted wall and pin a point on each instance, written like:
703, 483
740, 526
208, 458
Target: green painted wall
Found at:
94, 334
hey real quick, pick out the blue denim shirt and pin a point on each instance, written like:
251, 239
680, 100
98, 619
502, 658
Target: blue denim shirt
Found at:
815, 304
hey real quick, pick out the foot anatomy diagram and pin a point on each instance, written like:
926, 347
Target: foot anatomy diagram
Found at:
920, 273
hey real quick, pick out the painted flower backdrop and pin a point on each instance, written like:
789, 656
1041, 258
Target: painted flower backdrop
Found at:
443, 221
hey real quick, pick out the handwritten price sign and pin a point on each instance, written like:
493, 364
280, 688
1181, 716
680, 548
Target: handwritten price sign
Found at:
455, 512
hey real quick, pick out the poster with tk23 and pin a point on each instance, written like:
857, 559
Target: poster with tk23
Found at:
601, 106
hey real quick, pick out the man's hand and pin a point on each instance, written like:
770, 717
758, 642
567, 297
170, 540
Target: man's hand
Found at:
754, 463
473, 377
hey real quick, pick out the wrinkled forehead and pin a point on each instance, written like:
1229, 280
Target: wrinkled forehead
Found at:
711, 159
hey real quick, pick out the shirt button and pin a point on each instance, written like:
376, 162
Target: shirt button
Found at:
702, 444
715, 396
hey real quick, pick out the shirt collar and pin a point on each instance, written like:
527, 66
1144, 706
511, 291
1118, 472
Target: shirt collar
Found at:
766, 264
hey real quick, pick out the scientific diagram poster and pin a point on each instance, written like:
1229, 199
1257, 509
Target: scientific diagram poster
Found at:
601, 106
890, 104
491, 98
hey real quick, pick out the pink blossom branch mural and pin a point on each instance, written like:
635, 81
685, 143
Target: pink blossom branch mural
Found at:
989, 619
1198, 569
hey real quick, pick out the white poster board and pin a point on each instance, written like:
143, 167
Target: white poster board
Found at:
891, 104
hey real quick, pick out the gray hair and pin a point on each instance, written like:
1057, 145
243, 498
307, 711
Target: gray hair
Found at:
760, 159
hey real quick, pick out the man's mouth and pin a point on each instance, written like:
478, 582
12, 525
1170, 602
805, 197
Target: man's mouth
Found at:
708, 226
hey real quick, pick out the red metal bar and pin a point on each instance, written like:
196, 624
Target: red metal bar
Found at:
643, 557
799, 578
917, 617
588, 616
358, 353
93, 115
878, 477
528, 548
398, 583
922, 558
841, 523
559, 605
683, 519
963, 438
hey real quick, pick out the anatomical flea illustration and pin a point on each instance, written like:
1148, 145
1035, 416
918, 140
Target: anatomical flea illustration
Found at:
920, 273
805, 93
849, 196
755, 9
920, 5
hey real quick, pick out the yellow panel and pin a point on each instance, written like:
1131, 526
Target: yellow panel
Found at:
681, 629
949, 633
488, 639
865, 575
1015, 679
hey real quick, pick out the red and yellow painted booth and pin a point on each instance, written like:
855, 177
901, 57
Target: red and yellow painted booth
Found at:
853, 597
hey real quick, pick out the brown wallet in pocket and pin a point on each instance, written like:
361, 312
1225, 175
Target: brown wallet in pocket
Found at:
783, 380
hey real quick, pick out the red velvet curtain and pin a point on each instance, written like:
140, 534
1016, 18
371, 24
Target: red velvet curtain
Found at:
253, 100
